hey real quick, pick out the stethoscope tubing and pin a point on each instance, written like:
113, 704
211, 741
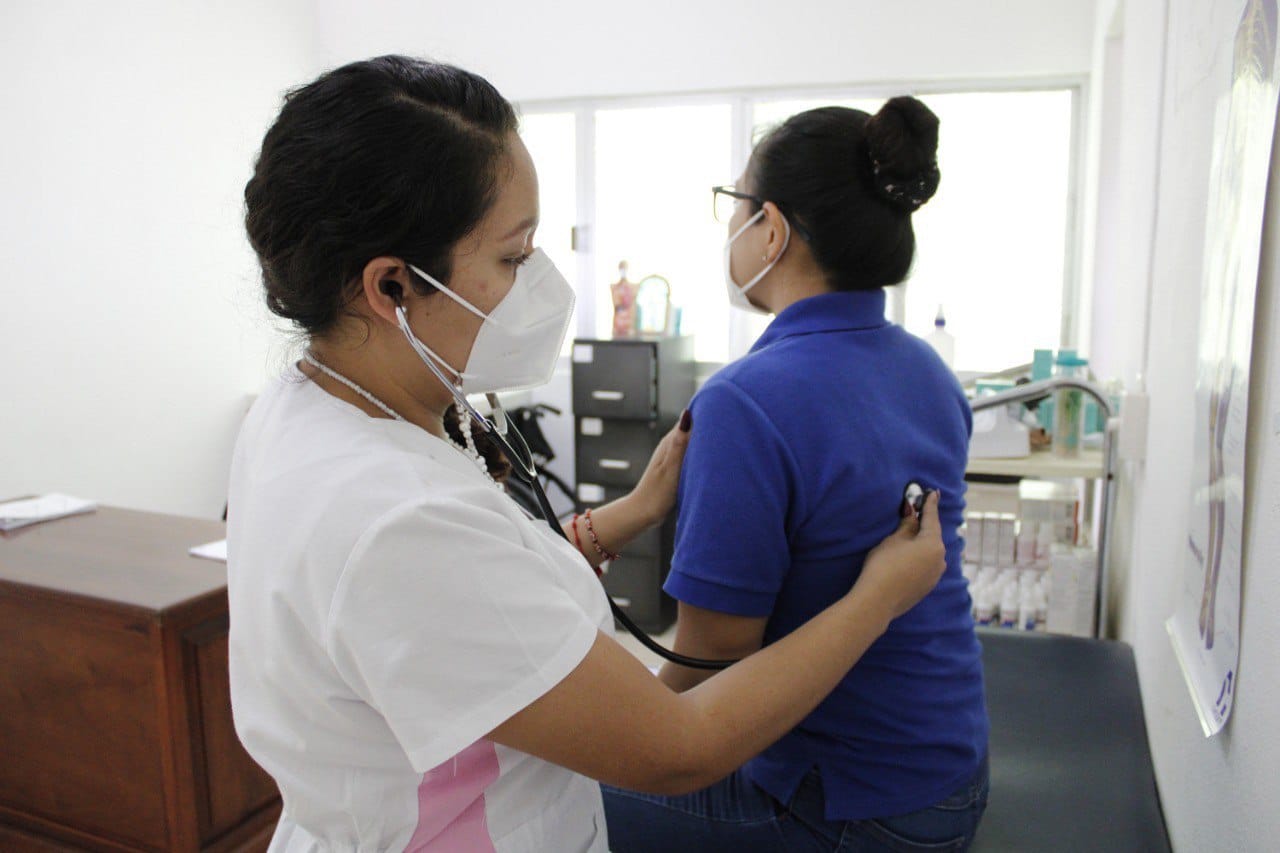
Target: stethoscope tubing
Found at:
528, 475
523, 468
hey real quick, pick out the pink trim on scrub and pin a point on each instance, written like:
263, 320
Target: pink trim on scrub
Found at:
451, 803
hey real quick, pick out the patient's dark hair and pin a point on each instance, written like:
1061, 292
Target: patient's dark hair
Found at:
849, 182
390, 156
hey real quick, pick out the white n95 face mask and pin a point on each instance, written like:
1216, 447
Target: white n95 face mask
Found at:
738, 295
520, 339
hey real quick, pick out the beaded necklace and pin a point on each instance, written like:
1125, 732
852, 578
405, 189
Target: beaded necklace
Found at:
467, 449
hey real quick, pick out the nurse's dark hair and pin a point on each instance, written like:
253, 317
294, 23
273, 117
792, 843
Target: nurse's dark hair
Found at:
849, 182
391, 156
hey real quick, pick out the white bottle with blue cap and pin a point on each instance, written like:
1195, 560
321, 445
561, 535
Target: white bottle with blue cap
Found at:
942, 341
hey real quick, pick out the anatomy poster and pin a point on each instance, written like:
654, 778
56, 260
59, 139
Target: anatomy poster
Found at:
1205, 626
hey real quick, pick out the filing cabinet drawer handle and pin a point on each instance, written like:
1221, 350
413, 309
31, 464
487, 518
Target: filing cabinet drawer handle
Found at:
615, 464
607, 395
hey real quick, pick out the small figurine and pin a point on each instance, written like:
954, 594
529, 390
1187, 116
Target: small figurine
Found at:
624, 304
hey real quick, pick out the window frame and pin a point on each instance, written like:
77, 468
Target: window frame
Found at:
1076, 298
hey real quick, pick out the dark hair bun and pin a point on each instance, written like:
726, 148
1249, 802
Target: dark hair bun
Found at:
902, 140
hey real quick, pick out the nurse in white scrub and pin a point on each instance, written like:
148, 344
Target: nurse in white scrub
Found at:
417, 663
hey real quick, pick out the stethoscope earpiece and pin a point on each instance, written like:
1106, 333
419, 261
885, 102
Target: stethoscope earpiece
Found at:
393, 290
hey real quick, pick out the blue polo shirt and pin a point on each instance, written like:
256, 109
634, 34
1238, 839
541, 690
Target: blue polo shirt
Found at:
795, 470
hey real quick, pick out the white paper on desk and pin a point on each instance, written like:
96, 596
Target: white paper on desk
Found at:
211, 551
20, 513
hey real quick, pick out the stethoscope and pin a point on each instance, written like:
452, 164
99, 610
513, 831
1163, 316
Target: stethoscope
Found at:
516, 450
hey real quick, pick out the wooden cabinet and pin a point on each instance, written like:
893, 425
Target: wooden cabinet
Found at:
115, 710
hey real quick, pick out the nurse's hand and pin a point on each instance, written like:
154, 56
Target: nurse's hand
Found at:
611, 720
655, 494
903, 569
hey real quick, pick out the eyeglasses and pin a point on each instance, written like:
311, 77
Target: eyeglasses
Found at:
724, 201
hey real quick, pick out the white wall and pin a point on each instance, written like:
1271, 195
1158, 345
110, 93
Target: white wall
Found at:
1218, 794
574, 48
579, 48
131, 326
130, 329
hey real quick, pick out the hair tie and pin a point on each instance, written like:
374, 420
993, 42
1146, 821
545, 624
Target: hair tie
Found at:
908, 192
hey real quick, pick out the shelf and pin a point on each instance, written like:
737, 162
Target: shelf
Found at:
1043, 465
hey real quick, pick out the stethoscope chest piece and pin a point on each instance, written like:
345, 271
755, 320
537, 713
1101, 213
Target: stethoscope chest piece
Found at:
914, 495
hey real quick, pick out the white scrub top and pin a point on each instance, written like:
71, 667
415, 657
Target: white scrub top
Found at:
389, 607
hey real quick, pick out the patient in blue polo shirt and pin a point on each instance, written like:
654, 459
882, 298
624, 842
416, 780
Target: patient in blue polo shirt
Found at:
795, 471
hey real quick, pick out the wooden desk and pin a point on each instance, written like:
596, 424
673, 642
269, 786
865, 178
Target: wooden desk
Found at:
115, 710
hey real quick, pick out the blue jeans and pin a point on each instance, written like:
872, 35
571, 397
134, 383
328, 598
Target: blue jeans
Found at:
735, 816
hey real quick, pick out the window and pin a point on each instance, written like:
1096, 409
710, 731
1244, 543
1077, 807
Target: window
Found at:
769, 114
992, 246
552, 142
654, 170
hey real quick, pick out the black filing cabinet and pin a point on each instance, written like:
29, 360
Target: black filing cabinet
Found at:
626, 395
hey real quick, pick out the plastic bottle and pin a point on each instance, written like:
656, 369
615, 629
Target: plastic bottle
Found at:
1027, 610
1041, 364
1068, 406
1042, 368
986, 578
942, 341
1009, 607
986, 606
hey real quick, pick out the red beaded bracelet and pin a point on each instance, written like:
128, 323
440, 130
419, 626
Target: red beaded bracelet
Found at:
595, 540
577, 542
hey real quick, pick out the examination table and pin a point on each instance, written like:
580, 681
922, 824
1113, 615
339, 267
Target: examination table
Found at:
1070, 765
